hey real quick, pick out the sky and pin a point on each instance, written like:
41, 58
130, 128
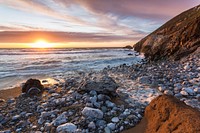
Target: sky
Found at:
84, 23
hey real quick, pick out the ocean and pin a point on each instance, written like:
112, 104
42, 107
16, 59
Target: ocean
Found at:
16, 65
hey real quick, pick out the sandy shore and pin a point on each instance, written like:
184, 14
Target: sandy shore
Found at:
10, 93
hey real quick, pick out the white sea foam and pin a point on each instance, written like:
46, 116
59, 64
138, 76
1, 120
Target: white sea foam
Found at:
22, 63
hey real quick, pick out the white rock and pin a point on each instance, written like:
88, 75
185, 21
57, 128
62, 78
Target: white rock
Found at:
92, 112
67, 127
184, 93
115, 119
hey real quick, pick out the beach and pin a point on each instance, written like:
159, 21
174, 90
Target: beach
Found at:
134, 85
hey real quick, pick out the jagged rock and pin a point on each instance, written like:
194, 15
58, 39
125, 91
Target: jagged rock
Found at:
168, 114
128, 47
104, 85
175, 39
32, 87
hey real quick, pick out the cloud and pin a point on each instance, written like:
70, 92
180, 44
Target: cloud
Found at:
151, 9
58, 37
99, 17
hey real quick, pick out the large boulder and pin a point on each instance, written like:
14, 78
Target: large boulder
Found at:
32, 87
166, 114
104, 85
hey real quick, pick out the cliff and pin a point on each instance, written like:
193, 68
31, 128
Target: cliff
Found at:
175, 39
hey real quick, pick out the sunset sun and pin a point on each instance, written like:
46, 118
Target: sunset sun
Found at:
41, 44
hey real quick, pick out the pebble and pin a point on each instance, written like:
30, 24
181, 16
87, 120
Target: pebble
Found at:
60, 119
2, 100
107, 130
189, 91
184, 93
111, 126
16, 117
110, 104
92, 112
92, 125
115, 119
67, 127
168, 92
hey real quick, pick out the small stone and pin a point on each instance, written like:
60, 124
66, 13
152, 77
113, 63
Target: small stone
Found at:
110, 104
178, 95
18, 129
189, 91
67, 127
187, 66
197, 90
92, 112
198, 97
34, 127
16, 117
60, 119
6, 131
111, 126
11, 101
168, 92
184, 93
107, 130
144, 80
115, 119
2, 100
161, 88
93, 93
121, 128
101, 123
104, 109
91, 125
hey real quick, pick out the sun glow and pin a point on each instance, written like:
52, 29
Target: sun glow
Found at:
41, 44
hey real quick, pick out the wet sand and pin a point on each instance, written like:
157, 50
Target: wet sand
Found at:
10, 93
140, 128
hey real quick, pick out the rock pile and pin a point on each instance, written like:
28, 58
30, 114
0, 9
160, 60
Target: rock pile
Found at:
70, 110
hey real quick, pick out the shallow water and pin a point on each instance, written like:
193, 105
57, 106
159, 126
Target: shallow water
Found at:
18, 64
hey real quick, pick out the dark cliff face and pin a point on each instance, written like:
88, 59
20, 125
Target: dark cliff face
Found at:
175, 39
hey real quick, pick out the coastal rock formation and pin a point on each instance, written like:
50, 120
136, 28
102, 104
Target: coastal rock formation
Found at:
175, 39
166, 114
32, 87
128, 47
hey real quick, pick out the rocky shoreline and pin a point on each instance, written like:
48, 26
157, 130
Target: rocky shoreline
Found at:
79, 105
